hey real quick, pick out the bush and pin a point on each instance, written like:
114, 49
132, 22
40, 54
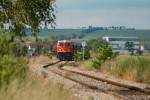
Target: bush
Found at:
103, 54
12, 68
95, 44
7, 45
11, 45
79, 55
87, 54
101, 51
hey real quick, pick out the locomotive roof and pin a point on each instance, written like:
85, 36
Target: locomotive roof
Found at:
64, 41
77, 41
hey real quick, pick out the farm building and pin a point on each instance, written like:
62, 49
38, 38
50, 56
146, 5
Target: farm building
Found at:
124, 45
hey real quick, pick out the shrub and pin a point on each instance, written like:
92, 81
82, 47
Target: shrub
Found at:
96, 63
79, 55
87, 54
103, 54
101, 50
6, 44
95, 44
11, 45
12, 68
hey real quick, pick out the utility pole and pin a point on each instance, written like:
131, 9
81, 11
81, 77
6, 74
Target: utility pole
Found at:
83, 49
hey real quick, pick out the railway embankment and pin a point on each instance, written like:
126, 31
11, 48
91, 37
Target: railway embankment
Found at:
78, 91
132, 68
75, 80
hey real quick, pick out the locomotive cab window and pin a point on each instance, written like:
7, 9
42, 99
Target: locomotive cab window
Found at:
67, 44
60, 44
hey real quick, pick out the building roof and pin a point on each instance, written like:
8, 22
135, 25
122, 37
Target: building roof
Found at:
117, 38
120, 37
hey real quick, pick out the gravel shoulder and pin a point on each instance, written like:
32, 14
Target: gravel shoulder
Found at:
106, 76
131, 94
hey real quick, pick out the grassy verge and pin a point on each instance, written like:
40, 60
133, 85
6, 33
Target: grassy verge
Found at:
135, 68
87, 65
34, 88
12, 68
17, 83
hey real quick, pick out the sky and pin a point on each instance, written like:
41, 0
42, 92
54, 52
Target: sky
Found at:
82, 13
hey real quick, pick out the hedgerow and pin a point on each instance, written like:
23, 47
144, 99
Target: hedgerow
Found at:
11, 66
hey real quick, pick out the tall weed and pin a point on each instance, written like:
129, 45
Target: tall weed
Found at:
34, 88
135, 68
12, 68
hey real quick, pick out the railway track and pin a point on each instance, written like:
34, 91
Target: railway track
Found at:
121, 91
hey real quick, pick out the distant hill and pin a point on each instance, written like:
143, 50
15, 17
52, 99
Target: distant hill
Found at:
59, 32
144, 35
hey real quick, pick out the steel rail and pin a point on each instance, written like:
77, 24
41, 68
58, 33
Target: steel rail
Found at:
89, 86
50, 64
60, 67
131, 87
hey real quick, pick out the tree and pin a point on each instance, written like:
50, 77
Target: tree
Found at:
95, 44
102, 51
6, 44
129, 46
11, 46
103, 54
18, 14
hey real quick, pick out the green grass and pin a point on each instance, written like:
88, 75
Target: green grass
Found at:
34, 88
17, 83
136, 68
87, 65
12, 68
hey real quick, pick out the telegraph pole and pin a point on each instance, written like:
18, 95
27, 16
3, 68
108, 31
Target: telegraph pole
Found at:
83, 49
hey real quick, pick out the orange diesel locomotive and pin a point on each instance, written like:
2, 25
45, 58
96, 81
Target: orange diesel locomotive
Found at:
65, 50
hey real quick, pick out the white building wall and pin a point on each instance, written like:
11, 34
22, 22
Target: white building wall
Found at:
118, 45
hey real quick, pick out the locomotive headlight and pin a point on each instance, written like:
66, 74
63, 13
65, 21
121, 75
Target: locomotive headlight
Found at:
59, 49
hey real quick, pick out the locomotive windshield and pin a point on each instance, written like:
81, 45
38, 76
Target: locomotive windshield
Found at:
64, 44
67, 44
60, 44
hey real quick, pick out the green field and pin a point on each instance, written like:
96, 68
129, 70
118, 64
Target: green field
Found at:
144, 35
59, 32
